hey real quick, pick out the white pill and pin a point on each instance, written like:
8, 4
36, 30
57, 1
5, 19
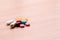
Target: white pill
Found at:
9, 22
13, 23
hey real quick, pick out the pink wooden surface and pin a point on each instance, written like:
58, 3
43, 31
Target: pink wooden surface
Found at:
44, 16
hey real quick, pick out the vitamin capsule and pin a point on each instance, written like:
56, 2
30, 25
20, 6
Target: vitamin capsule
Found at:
27, 24
18, 18
12, 25
17, 24
9, 22
22, 25
26, 19
23, 21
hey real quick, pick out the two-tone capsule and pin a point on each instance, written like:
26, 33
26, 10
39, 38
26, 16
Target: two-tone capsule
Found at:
12, 25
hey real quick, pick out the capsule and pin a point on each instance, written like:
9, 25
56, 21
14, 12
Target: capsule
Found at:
9, 22
26, 19
27, 24
18, 18
22, 25
23, 21
17, 24
12, 25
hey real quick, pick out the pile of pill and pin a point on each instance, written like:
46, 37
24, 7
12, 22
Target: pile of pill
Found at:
18, 22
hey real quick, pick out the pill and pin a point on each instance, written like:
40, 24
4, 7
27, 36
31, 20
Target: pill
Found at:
9, 22
22, 25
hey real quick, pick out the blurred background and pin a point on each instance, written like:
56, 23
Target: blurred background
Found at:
44, 16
